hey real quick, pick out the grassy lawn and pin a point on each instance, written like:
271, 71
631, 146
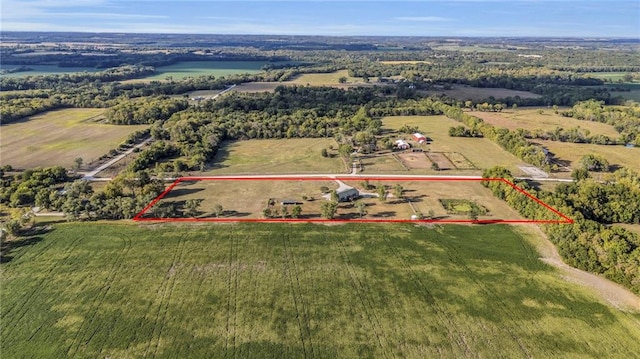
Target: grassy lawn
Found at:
573, 152
530, 119
58, 137
479, 151
299, 155
213, 291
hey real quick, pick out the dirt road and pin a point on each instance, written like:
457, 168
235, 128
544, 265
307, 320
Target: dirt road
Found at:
613, 293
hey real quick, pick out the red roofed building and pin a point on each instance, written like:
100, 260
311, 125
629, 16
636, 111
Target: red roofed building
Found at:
418, 137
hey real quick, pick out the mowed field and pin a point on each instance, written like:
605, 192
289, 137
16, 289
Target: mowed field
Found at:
299, 155
266, 290
58, 137
479, 151
573, 152
530, 119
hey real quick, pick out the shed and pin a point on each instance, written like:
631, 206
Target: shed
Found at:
401, 144
420, 138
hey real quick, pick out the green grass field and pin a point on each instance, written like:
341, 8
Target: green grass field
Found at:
608, 76
255, 291
295, 155
480, 151
182, 70
530, 119
58, 137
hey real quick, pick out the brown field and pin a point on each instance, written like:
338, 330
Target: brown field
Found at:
294, 155
414, 160
247, 199
58, 137
571, 153
252, 87
463, 92
481, 152
440, 159
530, 119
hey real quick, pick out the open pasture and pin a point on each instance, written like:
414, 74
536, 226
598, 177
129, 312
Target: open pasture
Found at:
530, 119
58, 137
324, 79
271, 290
246, 198
571, 153
464, 93
481, 152
299, 155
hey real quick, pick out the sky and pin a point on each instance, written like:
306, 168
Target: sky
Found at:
455, 18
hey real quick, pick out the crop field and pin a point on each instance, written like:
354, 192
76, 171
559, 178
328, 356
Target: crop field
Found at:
404, 62
47, 70
58, 137
481, 152
271, 290
300, 155
181, 70
530, 119
464, 92
573, 152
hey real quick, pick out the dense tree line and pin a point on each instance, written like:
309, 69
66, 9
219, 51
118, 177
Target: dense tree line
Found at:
591, 243
145, 111
625, 119
54, 81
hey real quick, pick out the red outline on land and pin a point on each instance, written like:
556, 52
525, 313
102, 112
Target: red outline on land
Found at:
138, 217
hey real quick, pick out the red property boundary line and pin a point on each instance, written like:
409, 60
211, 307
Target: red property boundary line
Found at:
138, 217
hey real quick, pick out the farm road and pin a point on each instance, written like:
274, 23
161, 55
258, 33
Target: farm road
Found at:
613, 293
90, 176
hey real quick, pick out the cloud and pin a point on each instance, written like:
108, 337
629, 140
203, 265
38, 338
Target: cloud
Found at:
422, 18
105, 15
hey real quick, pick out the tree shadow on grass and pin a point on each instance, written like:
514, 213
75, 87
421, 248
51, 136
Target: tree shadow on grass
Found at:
9, 246
183, 192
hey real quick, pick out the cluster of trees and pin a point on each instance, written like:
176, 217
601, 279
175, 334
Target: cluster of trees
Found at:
23, 189
591, 243
462, 131
625, 119
145, 111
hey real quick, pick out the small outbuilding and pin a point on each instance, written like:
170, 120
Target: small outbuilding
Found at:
420, 138
402, 145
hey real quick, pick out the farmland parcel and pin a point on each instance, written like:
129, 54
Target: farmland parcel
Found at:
298, 291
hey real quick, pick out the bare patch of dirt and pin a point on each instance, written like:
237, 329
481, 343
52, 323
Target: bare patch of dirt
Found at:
414, 160
440, 159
